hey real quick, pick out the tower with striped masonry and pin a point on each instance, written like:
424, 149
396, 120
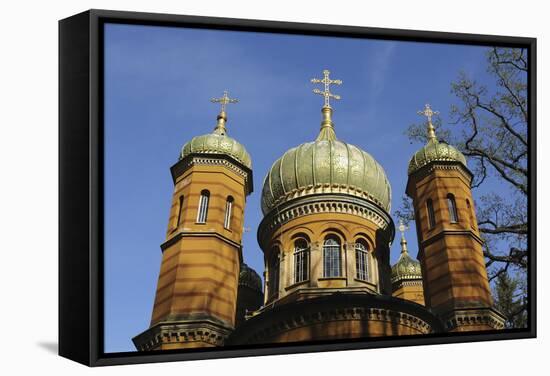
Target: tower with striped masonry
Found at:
196, 297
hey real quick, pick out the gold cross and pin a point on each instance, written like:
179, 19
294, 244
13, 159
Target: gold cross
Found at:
225, 100
402, 227
326, 93
428, 112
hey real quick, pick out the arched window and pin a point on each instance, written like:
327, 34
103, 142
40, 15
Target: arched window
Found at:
202, 213
362, 260
471, 214
273, 272
431, 214
301, 260
180, 211
331, 257
451, 204
228, 211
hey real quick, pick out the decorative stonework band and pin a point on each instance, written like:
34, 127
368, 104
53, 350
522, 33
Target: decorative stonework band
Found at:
473, 317
325, 203
184, 332
221, 160
341, 314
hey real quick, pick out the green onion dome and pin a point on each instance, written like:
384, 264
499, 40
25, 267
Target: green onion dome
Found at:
249, 278
325, 166
406, 267
435, 151
217, 143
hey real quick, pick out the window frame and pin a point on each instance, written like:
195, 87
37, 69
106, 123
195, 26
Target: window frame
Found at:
228, 212
365, 258
301, 260
471, 214
274, 273
431, 214
202, 210
451, 206
180, 212
328, 262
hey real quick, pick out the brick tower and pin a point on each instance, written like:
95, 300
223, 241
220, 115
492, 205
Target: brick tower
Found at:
196, 294
455, 280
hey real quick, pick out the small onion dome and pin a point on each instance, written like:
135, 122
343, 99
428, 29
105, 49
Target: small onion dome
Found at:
249, 278
435, 151
406, 268
217, 142
325, 166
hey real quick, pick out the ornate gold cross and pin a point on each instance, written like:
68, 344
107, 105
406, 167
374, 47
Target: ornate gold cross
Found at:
225, 100
428, 112
402, 228
327, 81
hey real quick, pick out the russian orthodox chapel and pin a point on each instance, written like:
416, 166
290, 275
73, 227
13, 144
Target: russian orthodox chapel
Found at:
325, 235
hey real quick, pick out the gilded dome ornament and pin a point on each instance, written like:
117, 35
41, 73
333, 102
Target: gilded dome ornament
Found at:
218, 142
433, 151
325, 166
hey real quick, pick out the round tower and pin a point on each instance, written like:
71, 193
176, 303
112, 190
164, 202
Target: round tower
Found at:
325, 235
326, 219
450, 248
196, 296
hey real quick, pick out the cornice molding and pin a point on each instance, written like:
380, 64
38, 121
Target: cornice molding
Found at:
194, 234
429, 168
271, 321
446, 232
324, 203
214, 160
406, 281
473, 317
185, 331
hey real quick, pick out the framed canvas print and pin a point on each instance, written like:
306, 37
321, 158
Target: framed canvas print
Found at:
238, 187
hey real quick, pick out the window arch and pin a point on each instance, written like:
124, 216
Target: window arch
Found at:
362, 260
180, 211
431, 214
331, 257
471, 214
273, 272
451, 204
228, 212
202, 213
301, 260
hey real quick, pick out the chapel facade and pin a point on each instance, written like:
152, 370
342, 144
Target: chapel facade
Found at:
326, 236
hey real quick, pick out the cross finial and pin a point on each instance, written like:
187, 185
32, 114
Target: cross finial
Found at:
402, 228
222, 117
428, 112
327, 82
225, 100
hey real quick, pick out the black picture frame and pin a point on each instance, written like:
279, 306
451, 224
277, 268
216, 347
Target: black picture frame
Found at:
81, 182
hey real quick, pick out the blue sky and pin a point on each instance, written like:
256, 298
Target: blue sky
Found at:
158, 85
